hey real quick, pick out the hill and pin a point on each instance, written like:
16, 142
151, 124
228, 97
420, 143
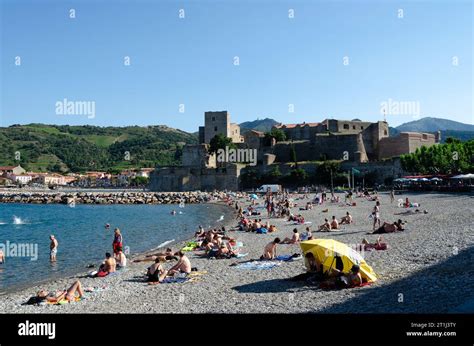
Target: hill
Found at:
264, 125
64, 148
434, 124
448, 128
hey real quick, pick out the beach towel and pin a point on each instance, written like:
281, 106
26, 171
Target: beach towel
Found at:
197, 273
240, 255
258, 265
177, 280
190, 246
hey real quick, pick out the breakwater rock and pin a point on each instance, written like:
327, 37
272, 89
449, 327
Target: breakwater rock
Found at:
122, 197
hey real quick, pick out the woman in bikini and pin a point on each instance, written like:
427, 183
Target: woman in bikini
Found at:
69, 294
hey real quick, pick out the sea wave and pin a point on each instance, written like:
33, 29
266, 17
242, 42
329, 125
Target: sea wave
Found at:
164, 244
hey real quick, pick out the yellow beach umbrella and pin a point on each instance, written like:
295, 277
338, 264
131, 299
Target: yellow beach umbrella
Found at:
326, 251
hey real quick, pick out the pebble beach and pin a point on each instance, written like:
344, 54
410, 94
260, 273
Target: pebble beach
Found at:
428, 268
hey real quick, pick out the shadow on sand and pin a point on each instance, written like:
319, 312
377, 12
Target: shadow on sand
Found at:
440, 288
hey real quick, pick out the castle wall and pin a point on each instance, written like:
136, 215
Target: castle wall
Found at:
178, 179
334, 146
346, 126
198, 156
404, 143
384, 169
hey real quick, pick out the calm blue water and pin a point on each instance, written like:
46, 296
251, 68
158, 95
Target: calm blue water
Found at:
83, 238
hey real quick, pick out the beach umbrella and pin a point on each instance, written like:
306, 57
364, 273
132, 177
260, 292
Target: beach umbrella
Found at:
253, 196
326, 251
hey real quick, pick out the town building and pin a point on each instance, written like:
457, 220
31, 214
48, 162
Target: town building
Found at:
16, 170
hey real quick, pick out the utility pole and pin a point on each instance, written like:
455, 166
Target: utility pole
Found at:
332, 185
353, 185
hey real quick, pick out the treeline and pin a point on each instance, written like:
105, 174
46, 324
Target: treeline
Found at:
85, 148
326, 172
453, 157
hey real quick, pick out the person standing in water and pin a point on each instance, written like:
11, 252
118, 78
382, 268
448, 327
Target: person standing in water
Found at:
53, 248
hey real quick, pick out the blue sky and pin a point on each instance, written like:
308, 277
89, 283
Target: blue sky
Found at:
190, 61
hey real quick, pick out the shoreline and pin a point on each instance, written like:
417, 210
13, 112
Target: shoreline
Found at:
77, 273
425, 263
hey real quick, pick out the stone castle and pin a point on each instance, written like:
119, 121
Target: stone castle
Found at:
357, 143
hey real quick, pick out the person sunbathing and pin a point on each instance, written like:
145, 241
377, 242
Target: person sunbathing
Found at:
168, 254
341, 280
334, 223
54, 298
308, 235
293, 240
200, 233
121, 259
156, 273
378, 245
108, 266
226, 251
183, 265
325, 227
346, 220
272, 228
412, 212
269, 252
390, 227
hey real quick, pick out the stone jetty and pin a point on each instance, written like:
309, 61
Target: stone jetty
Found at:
122, 197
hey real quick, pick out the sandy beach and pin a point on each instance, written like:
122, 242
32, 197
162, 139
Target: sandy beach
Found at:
427, 269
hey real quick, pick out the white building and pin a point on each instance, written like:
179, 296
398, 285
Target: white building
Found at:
22, 179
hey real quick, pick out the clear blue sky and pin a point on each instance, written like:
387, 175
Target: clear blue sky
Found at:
190, 61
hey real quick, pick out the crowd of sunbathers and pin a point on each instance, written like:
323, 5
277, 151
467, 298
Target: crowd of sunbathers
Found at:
215, 243
257, 226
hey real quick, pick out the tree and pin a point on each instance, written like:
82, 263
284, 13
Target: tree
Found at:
293, 155
250, 179
450, 158
297, 177
325, 169
278, 134
272, 177
139, 181
220, 142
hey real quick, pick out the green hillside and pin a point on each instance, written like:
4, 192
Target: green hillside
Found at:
81, 148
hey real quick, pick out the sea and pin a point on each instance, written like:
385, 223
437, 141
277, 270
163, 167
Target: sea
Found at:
83, 238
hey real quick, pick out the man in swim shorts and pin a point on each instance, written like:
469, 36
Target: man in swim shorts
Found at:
53, 248
183, 265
